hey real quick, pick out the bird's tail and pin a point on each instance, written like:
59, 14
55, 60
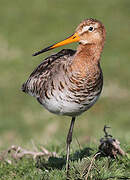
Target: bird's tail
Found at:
24, 87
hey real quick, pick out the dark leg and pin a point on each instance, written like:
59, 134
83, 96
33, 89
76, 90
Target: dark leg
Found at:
68, 141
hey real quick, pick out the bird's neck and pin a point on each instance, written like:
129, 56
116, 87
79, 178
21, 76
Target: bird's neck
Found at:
87, 55
89, 52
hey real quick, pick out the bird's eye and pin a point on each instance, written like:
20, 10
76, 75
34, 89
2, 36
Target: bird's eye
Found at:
90, 28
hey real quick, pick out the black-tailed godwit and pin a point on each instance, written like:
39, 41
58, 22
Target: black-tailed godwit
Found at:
70, 82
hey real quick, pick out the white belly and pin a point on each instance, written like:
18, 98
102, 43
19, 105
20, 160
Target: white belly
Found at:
63, 107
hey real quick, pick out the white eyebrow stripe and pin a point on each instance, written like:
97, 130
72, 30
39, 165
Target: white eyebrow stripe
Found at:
85, 28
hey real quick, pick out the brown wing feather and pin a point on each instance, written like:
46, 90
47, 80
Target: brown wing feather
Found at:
45, 67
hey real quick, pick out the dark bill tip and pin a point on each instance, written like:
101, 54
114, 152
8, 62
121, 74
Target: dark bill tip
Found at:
42, 51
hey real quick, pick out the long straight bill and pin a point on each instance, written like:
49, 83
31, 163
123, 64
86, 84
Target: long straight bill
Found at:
71, 39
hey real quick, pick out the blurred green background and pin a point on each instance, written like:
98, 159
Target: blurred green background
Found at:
29, 25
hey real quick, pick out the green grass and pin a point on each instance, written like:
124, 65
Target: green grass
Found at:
102, 168
25, 27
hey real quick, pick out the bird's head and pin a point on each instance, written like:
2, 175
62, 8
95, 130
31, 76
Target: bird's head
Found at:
89, 31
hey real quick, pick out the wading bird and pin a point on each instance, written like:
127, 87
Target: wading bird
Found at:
70, 82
